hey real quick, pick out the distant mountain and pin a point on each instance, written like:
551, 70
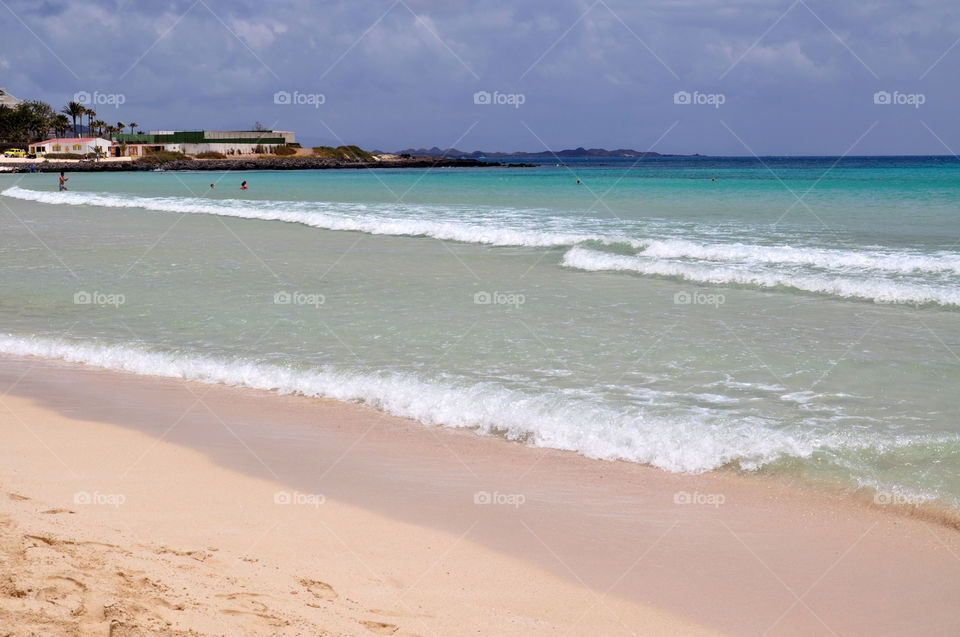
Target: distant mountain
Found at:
575, 152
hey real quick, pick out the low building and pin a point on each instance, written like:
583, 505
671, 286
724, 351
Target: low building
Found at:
193, 142
79, 145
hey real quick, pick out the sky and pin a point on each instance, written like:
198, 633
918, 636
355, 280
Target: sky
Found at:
715, 77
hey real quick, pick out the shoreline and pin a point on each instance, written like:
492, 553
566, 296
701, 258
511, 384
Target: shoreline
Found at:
245, 164
581, 520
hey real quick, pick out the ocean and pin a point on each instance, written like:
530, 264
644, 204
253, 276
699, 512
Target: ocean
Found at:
794, 317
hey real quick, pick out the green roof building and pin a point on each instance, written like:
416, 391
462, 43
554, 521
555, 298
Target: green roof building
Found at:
193, 142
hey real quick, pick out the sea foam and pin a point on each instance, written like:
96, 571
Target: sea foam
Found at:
879, 290
692, 442
381, 219
880, 275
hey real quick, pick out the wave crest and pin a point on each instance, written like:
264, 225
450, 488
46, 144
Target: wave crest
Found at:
876, 290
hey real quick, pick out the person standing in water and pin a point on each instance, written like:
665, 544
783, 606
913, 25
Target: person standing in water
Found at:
243, 186
63, 181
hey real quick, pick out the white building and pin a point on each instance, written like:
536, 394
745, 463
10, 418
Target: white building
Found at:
8, 100
79, 145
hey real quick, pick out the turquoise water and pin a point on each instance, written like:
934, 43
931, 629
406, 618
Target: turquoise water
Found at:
795, 316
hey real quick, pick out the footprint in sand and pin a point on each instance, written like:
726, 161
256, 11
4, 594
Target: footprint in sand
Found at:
271, 620
396, 613
248, 599
65, 592
380, 628
320, 590
200, 556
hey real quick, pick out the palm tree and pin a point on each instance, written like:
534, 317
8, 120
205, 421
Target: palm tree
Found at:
120, 126
98, 126
132, 126
74, 110
60, 124
90, 115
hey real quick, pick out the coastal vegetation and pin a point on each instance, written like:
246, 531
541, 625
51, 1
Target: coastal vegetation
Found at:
34, 120
162, 156
354, 153
29, 121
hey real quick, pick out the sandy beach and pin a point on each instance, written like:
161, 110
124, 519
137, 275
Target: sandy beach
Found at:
137, 505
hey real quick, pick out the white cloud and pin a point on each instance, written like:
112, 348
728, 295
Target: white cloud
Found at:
257, 33
788, 57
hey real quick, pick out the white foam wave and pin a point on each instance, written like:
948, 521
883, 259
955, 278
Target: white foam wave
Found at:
383, 219
829, 259
873, 274
874, 289
689, 443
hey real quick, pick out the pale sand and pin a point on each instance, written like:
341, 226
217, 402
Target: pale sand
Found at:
399, 545
172, 541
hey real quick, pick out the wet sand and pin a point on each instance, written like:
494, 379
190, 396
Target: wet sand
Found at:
286, 515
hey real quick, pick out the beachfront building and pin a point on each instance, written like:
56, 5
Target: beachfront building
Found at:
193, 142
78, 145
8, 100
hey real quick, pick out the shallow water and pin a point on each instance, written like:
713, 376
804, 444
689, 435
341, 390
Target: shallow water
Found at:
800, 315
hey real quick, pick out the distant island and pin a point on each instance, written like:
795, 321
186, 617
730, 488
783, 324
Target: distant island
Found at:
574, 152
